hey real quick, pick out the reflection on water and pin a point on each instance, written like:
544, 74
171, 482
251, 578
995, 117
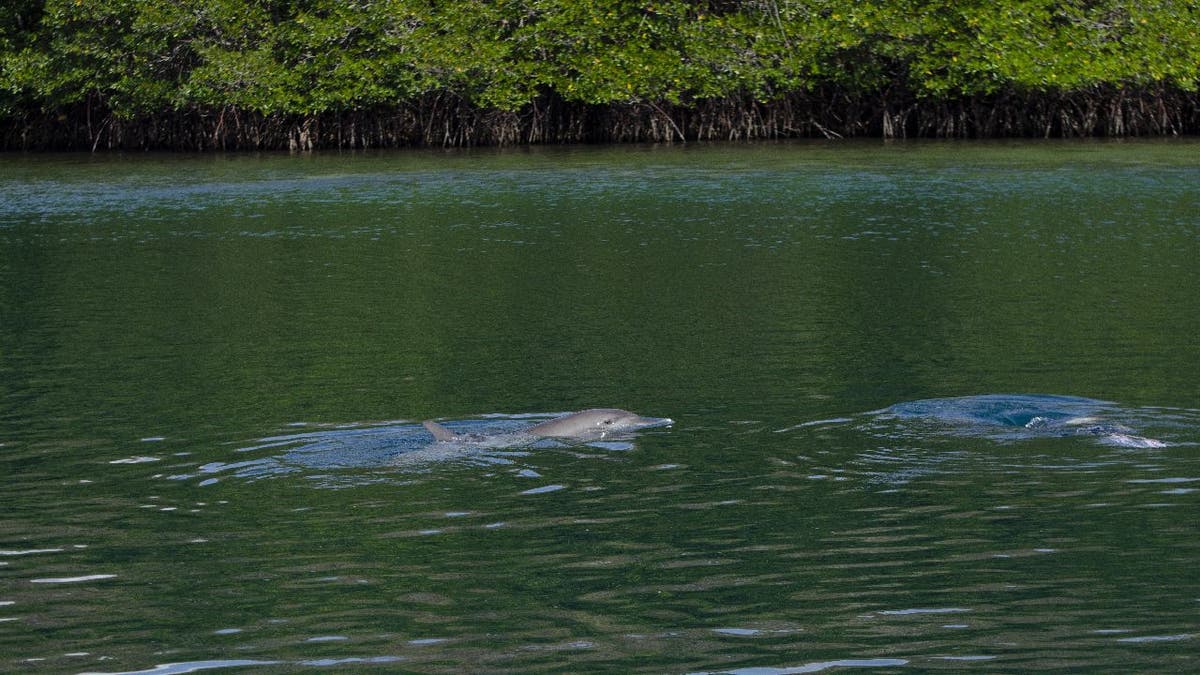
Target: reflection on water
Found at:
820, 666
217, 664
163, 319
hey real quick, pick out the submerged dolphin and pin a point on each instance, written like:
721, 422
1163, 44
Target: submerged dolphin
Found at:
1109, 433
1016, 416
586, 425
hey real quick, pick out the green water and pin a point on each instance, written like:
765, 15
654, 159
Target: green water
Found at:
209, 365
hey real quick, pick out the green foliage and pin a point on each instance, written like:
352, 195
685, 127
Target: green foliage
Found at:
1042, 45
304, 57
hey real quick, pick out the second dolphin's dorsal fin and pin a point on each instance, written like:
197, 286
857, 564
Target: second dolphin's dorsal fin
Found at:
440, 433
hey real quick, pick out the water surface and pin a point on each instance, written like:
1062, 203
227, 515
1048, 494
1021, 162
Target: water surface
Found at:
210, 367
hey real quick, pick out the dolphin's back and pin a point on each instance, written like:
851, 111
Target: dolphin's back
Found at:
440, 433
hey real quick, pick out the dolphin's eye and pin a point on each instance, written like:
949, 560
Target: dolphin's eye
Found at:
607, 421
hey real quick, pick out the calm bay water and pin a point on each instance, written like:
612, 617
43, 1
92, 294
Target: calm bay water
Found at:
209, 367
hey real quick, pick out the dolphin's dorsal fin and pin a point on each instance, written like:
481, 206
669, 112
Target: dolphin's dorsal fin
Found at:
440, 433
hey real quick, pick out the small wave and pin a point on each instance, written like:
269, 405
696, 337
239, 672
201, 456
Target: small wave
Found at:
1159, 638
73, 580
818, 667
214, 664
1130, 441
543, 490
922, 610
30, 551
191, 667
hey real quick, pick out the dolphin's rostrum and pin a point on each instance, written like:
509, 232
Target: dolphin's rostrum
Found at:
586, 425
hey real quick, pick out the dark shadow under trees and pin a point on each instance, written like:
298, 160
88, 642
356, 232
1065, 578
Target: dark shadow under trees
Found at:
448, 121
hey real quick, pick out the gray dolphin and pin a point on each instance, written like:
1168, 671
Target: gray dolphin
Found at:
1019, 416
1109, 433
586, 425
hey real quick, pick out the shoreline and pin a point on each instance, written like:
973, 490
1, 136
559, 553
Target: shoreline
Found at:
445, 120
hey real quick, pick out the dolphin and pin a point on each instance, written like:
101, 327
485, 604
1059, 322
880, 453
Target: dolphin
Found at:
586, 425
1109, 433
1018, 416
